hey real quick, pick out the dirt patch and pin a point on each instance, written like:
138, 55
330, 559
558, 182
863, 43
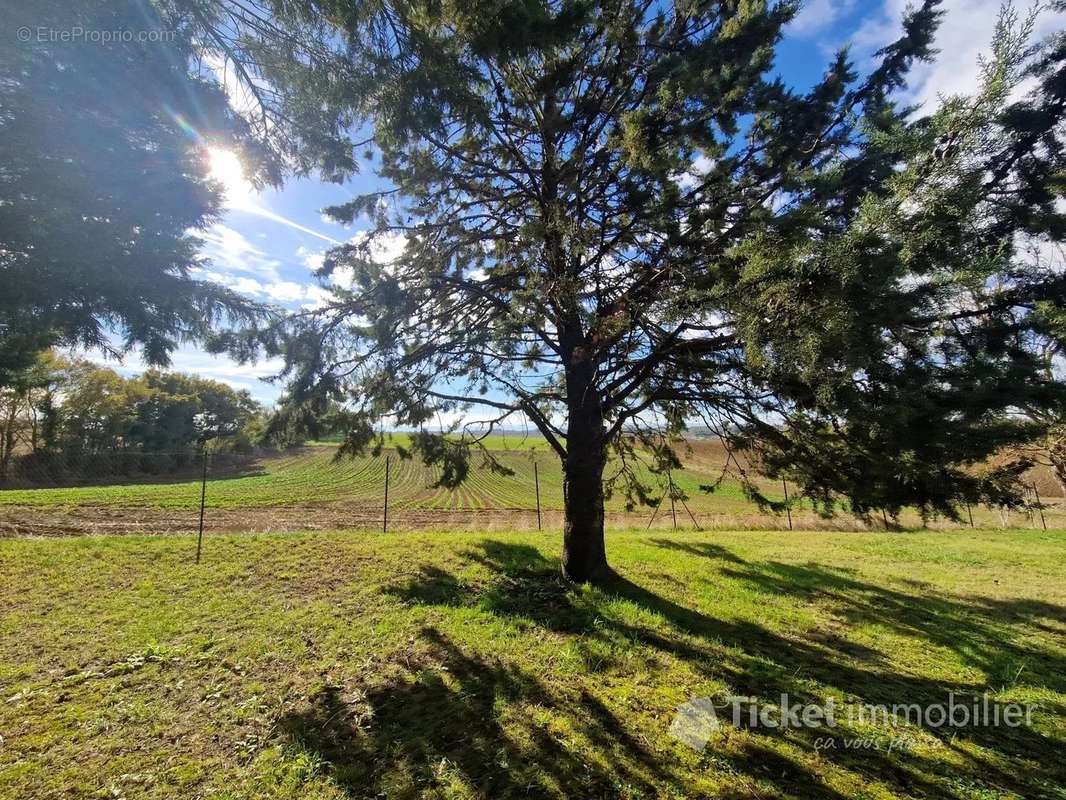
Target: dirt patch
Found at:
18, 521
112, 520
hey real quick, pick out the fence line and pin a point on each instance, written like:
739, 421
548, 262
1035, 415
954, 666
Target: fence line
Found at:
307, 489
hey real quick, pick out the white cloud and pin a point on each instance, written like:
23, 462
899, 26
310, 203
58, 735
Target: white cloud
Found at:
342, 276
964, 34
285, 291
280, 291
189, 360
817, 15
318, 297
238, 283
247, 286
385, 247
310, 258
231, 251
229, 241
701, 165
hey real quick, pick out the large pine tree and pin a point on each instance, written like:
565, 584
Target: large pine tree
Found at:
619, 220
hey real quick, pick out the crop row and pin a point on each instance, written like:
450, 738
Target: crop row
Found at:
312, 476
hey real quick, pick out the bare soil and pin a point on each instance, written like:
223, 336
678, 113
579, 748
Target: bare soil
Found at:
18, 521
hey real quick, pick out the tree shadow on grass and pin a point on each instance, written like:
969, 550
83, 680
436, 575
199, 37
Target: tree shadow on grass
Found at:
981, 632
438, 728
701, 549
462, 721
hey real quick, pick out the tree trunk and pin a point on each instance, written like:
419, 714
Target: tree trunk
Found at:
584, 555
7, 444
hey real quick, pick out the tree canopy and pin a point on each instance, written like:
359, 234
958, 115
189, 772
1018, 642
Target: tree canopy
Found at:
104, 181
66, 418
618, 219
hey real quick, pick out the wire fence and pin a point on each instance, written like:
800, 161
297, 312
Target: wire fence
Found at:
309, 489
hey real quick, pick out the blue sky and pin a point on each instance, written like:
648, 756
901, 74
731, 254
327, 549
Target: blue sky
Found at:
268, 243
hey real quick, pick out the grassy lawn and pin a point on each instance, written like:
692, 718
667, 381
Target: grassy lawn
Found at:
458, 665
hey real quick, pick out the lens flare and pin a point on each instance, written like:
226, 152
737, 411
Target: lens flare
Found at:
225, 167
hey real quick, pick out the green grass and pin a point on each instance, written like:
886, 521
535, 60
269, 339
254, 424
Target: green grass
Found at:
458, 665
529, 442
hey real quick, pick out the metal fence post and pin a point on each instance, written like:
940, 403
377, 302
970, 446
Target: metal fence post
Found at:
536, 484
1039, 506
203, 498
691, 516
673, 509
654, 513
788, 507
385, 517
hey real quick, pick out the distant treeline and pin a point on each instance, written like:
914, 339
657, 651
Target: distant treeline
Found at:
69, 417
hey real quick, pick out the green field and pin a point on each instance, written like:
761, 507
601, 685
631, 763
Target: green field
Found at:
458, 665
313, 475
308, 488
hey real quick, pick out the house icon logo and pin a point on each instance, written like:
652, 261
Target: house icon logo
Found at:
694, 723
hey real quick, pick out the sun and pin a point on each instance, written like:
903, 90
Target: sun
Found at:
225, 167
